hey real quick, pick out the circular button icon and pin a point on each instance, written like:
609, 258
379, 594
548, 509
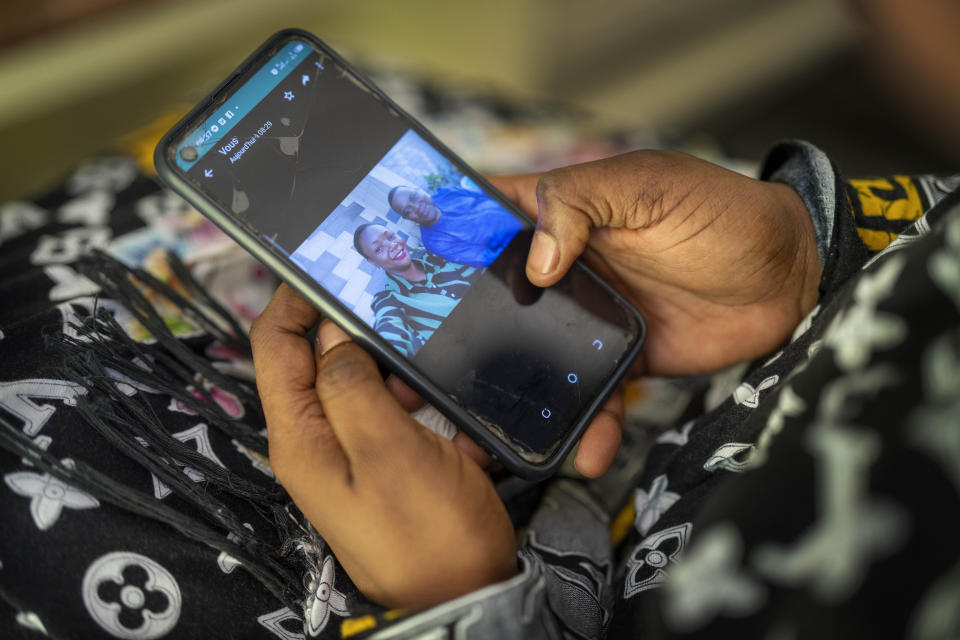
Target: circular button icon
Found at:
572, 378
546, 413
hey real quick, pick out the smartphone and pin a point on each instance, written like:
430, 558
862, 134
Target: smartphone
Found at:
354, 204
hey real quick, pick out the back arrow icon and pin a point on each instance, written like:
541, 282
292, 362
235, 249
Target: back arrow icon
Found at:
208, 173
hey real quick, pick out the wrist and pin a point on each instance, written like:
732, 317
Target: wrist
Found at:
806, 269
808, 171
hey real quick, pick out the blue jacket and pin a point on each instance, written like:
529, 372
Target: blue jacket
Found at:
473, 229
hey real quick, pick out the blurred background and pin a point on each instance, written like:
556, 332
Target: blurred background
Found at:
726, 76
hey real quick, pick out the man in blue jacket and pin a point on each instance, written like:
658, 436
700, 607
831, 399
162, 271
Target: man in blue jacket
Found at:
461, 225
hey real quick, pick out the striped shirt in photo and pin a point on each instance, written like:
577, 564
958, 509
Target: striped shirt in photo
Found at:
407, 313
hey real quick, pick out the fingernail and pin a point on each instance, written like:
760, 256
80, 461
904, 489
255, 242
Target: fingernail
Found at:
543, 253
330, 335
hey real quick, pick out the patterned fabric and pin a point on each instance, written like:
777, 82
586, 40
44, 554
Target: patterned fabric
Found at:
136, 497
811, 493
884, 207
407, 313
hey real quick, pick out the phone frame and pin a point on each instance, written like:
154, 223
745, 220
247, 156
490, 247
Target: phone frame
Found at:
331, 307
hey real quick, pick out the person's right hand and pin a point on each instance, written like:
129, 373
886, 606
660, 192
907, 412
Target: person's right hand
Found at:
722, 267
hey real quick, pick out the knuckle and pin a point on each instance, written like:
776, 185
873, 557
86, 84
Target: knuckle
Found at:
551, 184
263, 345
257, 328
344, 369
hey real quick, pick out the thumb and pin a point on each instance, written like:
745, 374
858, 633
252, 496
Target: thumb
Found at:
364, 414
562, 230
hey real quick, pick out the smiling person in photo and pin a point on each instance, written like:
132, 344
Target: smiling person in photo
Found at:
421, 289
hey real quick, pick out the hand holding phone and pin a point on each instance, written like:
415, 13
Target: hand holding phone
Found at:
411, 519
722, 266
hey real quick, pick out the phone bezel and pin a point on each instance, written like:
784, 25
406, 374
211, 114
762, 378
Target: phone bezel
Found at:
331, 307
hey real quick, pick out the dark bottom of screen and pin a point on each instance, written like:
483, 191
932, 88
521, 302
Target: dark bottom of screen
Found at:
528, 359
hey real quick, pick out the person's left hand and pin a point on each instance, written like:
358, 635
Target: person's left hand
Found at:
412, 519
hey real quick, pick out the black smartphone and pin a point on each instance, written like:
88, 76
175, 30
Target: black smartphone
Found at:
352, 202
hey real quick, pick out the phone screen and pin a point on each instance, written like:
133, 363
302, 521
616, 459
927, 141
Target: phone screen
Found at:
309, 159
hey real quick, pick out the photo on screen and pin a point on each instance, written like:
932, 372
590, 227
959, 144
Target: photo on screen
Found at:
405, 245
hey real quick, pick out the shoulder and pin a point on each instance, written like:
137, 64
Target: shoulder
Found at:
450, 190
452, 194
